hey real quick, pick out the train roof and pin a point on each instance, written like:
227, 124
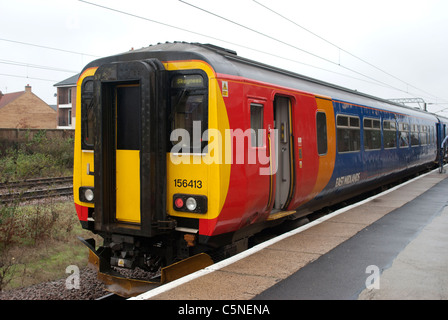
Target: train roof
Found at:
226, 61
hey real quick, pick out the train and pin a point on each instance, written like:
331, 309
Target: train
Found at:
182, 149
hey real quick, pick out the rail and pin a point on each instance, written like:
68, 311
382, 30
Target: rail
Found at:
35, 189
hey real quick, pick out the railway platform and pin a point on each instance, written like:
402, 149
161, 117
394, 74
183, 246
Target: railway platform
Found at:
390, 246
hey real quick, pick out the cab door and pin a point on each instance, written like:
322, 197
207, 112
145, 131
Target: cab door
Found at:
130, 147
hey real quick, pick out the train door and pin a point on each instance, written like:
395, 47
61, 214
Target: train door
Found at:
130, 147
440, 136
127, 153
443, 150
282, 124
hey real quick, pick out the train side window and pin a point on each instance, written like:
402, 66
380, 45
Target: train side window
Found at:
256, 124
414, 135
348, 133
87, 114
430, 135
404, 135
321, 127
189, 112
424, 135
372, 134
389, 134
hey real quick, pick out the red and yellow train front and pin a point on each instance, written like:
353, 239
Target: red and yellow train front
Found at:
172, 147
149, 169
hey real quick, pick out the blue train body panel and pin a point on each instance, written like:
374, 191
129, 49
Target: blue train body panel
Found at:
363, 164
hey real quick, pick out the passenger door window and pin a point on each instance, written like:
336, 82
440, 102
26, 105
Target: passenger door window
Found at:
256, 124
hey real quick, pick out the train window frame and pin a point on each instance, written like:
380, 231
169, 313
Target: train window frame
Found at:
87, 114
389, 130
372, 134
181, 94
321, 133
127, 117
350, 129
403, 131
256, 124
414, 135
424, 135
432, 135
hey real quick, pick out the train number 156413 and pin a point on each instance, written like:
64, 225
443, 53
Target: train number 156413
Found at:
188, 183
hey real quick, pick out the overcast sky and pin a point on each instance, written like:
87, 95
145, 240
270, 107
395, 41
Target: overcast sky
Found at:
387, 48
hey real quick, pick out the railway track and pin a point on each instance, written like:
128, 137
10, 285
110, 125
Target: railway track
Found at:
35, 189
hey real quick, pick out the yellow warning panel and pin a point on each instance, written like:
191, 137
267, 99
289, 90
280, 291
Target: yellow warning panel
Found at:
128, 185
225, 89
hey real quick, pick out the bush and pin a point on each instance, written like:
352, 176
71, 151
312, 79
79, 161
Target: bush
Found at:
12, 228
28, 233
24, 228
40, 157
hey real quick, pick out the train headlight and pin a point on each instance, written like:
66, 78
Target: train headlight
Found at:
191, 204
86, 194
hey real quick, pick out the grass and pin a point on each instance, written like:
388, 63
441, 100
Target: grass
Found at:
48, 263
38, 242
29, 260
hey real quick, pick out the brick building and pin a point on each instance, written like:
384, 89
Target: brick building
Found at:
66, 102
25, 110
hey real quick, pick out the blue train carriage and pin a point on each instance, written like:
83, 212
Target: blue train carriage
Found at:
379, 142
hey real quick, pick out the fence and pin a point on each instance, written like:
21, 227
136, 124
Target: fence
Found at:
14, 137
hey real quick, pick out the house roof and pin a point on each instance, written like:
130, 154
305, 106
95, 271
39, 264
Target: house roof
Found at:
69, 82
9, 97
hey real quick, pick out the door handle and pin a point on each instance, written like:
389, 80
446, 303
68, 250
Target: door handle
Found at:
89, 173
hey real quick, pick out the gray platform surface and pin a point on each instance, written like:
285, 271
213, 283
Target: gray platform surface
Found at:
403, 255
403, 234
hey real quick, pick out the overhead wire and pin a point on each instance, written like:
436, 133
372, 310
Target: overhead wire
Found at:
341, 49
152, 20
28, 65
3, 61
27, 77
215, 38
142, 18
177, 28
47, 47
294, 47
376, 81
